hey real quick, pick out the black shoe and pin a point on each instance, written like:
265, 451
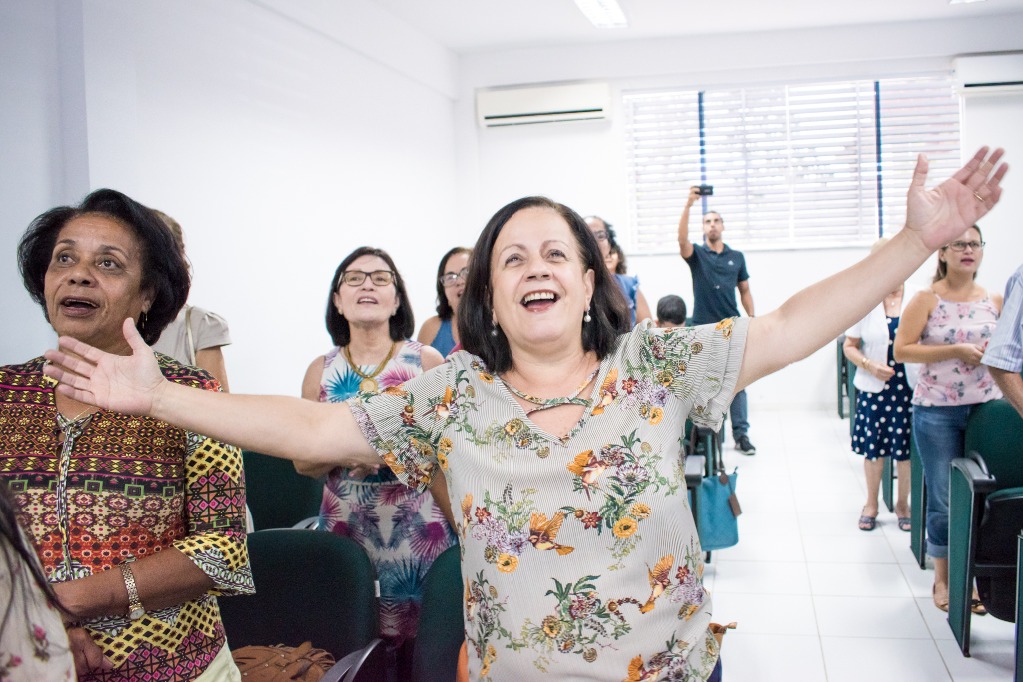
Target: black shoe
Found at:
743, 445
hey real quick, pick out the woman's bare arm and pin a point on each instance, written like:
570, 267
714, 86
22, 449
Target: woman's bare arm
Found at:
282, 426
818, 314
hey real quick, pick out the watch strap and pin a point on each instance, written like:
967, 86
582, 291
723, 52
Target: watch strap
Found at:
135, 608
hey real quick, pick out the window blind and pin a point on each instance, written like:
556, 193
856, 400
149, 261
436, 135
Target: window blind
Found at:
793, 166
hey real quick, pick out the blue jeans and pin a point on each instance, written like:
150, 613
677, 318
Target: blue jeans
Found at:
939, 436
738, 412
715, 675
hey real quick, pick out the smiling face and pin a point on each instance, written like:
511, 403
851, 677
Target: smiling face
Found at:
540, 285
457, 264
93, 282
367, 304
966, 261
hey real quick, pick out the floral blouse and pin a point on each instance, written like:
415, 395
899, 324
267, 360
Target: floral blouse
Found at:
107, 488
33, 643
954, 382
579, 554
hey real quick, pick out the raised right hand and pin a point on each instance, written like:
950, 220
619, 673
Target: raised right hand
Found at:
119, 383
694, 195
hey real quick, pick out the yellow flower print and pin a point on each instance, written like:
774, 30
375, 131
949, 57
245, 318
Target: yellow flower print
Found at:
590, 655
391, 461
682, 367
656, 415
625, 527
507, 563
442, 459
640, 510
551, 626
445, 445
687, 611
513, 427
725, 327
543, 452
665, 377
489, 378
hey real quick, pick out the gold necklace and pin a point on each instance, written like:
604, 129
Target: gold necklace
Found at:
368, 383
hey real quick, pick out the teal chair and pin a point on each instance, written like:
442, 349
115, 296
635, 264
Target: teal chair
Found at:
842, 380
1018, 677
441, 621
917, 506
311, 586
277, 495
985, 517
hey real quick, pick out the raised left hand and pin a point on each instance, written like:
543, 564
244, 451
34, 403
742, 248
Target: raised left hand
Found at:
940, 214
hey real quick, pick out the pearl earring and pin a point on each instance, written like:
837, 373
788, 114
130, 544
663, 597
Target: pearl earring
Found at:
586, 315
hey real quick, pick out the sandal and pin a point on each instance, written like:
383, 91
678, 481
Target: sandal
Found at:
867, 522
905, 523
975, 605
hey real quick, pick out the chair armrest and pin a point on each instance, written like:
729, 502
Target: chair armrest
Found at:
694, 470
974, 473
311, 523
348, 667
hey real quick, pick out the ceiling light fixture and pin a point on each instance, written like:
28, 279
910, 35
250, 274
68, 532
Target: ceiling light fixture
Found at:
603, 13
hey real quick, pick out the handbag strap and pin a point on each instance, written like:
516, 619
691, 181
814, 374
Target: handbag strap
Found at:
190, 341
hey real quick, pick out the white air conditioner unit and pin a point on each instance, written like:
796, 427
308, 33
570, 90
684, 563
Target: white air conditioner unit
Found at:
542, 104
989, 73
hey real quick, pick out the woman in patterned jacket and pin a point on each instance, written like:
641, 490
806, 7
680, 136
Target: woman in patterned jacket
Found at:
138, 524
559, 435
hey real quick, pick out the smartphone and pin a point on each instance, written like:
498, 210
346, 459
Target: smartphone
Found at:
706, 190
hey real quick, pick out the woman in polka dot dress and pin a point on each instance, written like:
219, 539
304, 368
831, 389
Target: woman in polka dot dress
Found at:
883, 409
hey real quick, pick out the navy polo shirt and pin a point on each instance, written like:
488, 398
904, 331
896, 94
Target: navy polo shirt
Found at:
715, 276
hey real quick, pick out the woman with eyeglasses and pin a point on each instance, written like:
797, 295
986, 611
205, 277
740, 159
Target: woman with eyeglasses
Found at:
369, 318
946, 329
441, 330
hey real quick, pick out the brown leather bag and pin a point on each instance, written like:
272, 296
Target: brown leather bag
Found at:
282, 663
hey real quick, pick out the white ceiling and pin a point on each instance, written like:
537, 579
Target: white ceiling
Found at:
466, 26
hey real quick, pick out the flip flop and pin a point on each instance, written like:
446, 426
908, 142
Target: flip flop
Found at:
978, 608
905, 523
867, 522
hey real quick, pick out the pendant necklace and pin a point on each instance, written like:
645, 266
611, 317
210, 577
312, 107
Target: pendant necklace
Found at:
369, 383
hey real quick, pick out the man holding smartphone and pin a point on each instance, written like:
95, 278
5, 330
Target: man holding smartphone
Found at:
718, 271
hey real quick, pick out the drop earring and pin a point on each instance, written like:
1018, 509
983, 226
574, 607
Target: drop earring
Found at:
493, 329
586, 315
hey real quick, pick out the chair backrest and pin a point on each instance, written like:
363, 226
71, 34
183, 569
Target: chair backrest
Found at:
995, 431
310, 586
278, 496
441, 621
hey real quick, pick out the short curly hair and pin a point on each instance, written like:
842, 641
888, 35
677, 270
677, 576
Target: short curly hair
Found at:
164, 271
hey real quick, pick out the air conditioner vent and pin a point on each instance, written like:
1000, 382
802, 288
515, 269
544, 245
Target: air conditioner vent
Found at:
524, 105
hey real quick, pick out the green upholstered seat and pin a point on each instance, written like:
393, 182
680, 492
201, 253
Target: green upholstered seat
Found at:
985, 517
277, 495
441, 621
310, 586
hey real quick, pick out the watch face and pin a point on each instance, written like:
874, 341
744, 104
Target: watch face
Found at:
137, 613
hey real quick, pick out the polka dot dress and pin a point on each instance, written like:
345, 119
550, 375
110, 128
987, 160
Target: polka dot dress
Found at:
882, 419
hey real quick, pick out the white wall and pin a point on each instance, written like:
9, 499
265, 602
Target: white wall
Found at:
279, 145
582, 164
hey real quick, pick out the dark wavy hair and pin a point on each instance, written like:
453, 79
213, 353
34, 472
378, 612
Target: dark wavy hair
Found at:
402, 323
444, 309
608, 310
164, 271
942, 271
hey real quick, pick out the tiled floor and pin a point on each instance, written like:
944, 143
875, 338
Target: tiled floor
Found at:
818, 599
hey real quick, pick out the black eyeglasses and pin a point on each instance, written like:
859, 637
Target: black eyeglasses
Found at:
449, 279
600, 235
354, 278
961, 246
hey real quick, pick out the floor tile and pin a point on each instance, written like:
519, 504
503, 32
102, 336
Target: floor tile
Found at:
858, 580
867, 548
851, 659
771, 658
766, 614
895, 617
